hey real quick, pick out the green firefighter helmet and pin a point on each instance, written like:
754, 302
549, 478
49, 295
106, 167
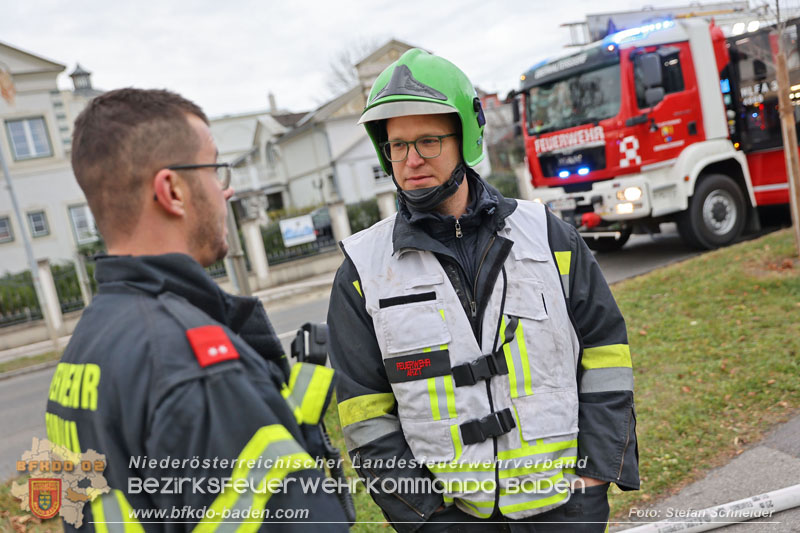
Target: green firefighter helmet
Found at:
420, 83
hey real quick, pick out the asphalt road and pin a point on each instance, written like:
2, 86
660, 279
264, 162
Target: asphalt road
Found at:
24, 397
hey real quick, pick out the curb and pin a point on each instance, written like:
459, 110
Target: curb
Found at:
27, 370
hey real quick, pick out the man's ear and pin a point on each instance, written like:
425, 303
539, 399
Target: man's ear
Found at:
169, 191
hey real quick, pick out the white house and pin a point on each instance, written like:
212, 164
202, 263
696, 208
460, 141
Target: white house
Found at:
35, 143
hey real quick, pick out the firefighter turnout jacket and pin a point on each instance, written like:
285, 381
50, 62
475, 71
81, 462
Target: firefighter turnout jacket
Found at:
171, 379
504, 391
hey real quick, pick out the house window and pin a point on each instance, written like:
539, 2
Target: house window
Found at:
38, 223
6, 235
29, 138
83, 224
378, 173
274, 201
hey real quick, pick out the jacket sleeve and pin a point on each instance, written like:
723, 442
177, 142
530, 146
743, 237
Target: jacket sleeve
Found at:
367, 407
223, 422
606, 413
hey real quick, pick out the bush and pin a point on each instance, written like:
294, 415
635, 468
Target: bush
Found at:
363, 214
506, 183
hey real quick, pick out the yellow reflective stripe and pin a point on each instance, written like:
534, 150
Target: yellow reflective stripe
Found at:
512, 373
561, 462
523, 353
434, 399
612, 355
365, 407
454, 466
132, 525
454, 434
316, 393
475, 506
538, 448
282, 464
441, 312
357, 285
535, 504
451, 396
99, 516
286, 392
563, 260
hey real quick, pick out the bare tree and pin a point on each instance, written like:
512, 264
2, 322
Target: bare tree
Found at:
343, 76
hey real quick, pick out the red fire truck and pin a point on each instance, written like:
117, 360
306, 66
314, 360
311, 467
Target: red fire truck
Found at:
671, 121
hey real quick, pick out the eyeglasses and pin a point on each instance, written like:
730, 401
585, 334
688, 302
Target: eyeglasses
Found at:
223, 171
427, 147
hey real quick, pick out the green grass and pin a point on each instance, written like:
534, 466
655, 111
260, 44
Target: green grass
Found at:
25, 362
715, 343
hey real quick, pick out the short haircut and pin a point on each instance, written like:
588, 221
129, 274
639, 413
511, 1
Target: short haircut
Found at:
121, 139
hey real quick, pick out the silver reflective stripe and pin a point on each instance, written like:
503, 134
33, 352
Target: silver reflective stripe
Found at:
607, 379
477, 475
565, 283
301, 384
441, 394
360, 433
113, 513
272, 454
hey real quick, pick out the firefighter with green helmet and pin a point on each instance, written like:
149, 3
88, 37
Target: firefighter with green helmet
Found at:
485, 374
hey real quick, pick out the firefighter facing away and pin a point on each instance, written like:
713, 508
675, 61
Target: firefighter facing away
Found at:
475, 340
176, 368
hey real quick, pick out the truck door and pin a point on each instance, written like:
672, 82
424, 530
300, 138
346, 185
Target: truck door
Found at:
664, 129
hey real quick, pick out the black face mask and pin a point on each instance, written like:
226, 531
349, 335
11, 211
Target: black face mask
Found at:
429, 198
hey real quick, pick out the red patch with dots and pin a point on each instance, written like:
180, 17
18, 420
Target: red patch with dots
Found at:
211, 345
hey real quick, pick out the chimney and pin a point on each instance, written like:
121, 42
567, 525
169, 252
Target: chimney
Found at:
272, 107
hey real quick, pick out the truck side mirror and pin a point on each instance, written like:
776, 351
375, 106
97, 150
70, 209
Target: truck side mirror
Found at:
653, 95
650, 68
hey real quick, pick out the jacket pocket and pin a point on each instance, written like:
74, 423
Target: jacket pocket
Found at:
540, 357
547, 413
430, 441
413, 326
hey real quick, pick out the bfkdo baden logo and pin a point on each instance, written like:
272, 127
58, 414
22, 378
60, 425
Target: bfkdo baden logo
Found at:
44, 497
61, 482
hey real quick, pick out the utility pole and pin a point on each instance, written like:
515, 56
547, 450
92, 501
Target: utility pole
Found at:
788, 128
7, 92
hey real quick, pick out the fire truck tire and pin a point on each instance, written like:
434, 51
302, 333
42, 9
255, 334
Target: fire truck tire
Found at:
609, 244
716, 215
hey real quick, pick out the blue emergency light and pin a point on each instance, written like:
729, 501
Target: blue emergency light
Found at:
583, 171
563, 174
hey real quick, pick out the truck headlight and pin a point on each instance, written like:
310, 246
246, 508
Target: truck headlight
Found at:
630, 194
624, 209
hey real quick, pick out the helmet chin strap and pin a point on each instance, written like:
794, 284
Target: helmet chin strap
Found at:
429, 198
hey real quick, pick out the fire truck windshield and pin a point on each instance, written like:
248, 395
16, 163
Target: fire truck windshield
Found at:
582, 98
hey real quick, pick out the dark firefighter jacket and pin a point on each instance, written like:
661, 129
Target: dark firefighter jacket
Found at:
606, 418
170, 377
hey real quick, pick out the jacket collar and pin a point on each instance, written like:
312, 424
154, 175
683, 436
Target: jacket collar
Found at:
179, 274
409, 231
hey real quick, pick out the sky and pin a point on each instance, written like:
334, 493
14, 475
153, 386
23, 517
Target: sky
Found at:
227, 55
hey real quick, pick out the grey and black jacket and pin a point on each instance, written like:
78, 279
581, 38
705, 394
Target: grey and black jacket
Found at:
381, 416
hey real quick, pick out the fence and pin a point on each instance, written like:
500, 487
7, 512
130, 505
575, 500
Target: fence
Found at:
18, 302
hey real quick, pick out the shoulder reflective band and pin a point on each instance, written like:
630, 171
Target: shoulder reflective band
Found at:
308, 390
111, 513
365, 407
563, 260
612, 355
275, 454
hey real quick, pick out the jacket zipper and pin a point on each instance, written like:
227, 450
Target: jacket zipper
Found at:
473, 306
459, 233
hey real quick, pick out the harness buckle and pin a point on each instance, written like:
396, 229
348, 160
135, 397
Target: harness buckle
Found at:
493, 425
484, 367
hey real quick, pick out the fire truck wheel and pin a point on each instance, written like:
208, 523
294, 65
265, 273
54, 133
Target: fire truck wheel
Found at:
716, 214
609, 244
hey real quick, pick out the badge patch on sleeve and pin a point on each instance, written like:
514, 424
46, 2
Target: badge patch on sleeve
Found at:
211, 345
417, 366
